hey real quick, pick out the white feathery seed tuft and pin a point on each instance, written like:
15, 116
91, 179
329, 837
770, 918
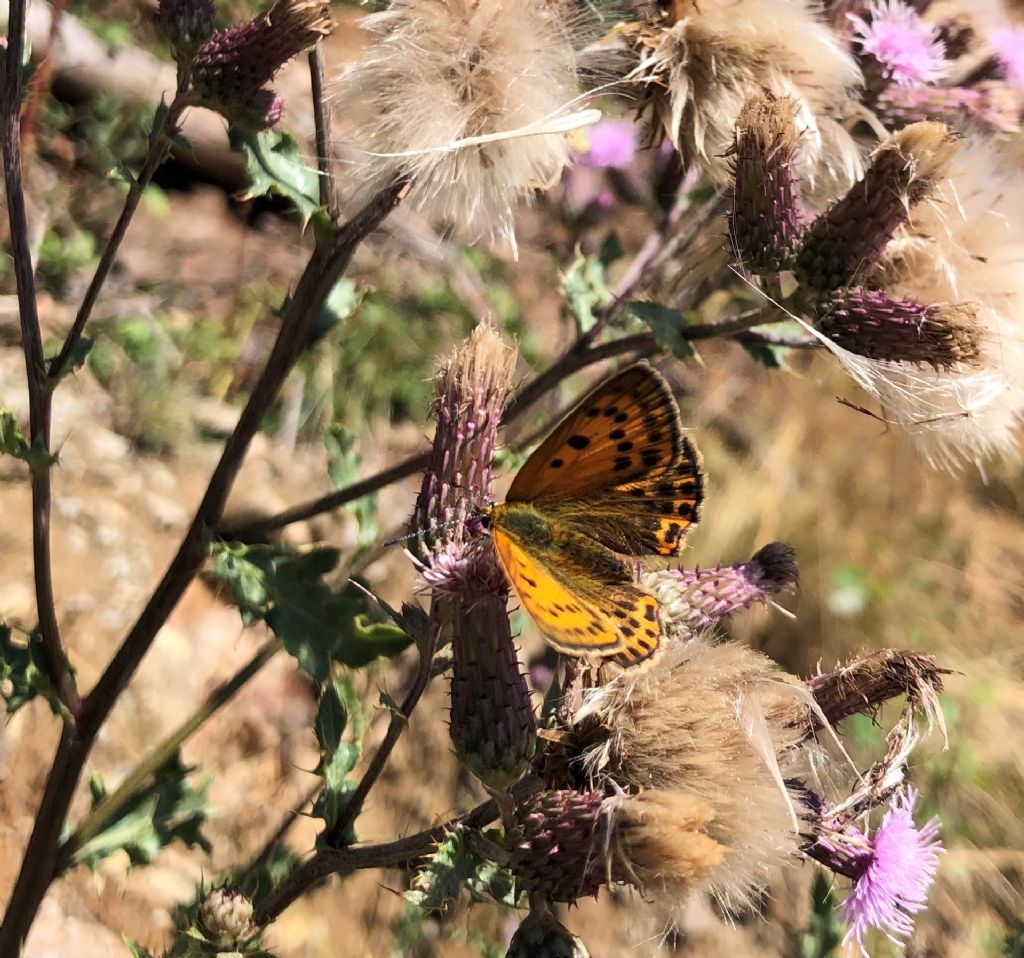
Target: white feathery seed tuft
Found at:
471, 99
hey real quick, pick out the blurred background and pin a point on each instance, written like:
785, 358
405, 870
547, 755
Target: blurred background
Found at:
891, 552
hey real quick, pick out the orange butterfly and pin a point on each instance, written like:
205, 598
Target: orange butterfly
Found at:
617, 478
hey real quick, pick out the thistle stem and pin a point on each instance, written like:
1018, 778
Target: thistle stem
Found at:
35, 367
324, 138
327, 263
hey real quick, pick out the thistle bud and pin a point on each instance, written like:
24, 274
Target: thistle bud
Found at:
225, 917
695, 599
231, 70
493, 726
765, 223
541, 935
186, 24
556, 844
874, 324
845, 244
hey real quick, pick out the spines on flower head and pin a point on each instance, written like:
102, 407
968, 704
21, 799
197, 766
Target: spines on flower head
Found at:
565, 844
225, 922
693, 600
874, 324
231, 70
465, 98
493, 726
186, 24
765, 222
846, 243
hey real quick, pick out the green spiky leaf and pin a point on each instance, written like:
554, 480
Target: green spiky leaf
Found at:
169, 808
273, 165
666, 324
24, 673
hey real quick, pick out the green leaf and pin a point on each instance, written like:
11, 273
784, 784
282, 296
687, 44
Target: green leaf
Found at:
666, 324
362, 641
339, 709
315, 624
167, 809
24, 673
342, 469
12, 440
136, 950
77, 357
586, 290
341, 303
770, 355
455, 866
273, 165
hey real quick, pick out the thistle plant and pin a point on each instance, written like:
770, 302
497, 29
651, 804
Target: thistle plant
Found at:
807, 179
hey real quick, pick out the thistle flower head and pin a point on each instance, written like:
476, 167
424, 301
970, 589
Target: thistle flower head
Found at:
1008, 43
611, 144
698, 64
693, 600
493, 726
906, 46
765, 222
893, 871
847, 242
231, 69
465, 97
872, 323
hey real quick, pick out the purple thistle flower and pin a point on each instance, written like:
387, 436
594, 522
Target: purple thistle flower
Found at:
907, 48
1008, 44
695, 599
893, 873
612, 145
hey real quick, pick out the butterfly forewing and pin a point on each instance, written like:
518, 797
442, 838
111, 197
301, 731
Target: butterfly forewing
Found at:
648, 517
578, 609
625, 430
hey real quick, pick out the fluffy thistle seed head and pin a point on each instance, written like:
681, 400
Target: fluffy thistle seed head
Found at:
700, 63
438, 73
710, 722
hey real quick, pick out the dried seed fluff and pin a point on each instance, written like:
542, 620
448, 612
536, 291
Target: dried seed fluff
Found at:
438, 72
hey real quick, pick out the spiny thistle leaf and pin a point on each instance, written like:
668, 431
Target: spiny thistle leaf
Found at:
339, 710
167, 809
453, 867
24, 673
273, 166
666, 324
316, 625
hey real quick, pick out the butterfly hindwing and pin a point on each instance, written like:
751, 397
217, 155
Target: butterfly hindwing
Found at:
626, 430
584, 604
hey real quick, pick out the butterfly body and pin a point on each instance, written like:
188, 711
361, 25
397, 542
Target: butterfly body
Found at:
616, 480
